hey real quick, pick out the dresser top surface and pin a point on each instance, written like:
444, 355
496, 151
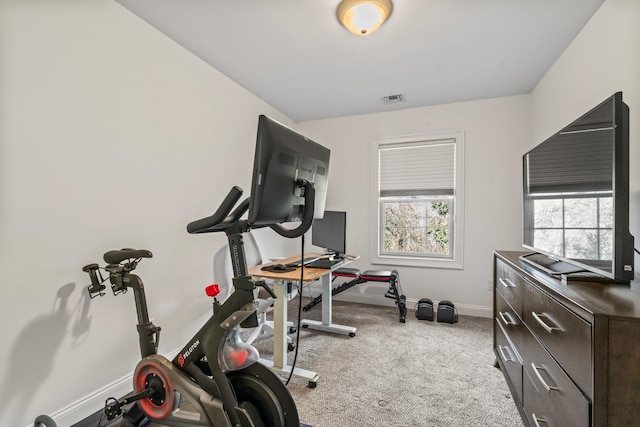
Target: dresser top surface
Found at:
594, 297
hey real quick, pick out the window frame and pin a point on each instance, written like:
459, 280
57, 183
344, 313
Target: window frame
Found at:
455, 261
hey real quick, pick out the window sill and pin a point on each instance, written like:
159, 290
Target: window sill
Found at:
451, 264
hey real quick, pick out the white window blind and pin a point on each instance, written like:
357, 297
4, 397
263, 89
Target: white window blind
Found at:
417, 169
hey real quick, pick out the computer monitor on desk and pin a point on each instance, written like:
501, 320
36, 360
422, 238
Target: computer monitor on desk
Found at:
330, 233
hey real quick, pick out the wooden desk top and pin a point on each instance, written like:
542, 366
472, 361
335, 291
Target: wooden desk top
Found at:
310, 274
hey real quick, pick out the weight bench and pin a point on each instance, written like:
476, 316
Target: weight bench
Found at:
391, 277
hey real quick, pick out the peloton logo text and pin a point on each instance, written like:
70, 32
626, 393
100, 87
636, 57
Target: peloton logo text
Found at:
187, 353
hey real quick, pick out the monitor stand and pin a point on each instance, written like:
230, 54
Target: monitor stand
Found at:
551, 266
336, 257
565, 271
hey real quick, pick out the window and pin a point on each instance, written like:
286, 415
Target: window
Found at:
419, 200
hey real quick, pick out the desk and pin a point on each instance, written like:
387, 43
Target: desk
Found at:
280, 312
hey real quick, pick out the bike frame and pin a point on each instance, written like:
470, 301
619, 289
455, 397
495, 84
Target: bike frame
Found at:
208, 341
213, 390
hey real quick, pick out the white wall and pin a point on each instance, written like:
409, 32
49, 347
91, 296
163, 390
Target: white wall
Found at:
111, 136
604, 58
496, 132
601, 60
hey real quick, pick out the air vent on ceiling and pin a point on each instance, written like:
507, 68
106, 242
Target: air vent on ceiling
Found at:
393, 99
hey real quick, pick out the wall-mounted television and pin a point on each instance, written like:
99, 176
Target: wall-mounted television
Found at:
284, 158
330, 233
576, 196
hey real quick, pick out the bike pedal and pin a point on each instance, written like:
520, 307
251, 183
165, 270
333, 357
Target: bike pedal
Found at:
134, 415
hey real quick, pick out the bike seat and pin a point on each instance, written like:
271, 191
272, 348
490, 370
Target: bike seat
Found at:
117, 256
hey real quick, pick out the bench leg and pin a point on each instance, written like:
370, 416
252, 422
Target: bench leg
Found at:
401, 300
335, 291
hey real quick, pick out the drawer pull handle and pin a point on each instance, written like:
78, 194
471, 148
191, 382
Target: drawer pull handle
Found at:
546, 386
503, 350
537, 420
546, 327
506, 283
504, 316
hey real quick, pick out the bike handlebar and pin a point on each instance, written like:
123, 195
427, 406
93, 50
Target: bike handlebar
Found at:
223, 217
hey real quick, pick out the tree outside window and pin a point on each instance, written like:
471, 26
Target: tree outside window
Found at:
417, 226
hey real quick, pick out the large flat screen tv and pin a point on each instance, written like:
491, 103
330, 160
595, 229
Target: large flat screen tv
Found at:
283, 160
576, 195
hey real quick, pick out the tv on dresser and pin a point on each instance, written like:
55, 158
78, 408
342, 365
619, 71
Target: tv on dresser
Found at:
576, 197
566, 330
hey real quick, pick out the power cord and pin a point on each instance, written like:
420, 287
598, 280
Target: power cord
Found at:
300, 285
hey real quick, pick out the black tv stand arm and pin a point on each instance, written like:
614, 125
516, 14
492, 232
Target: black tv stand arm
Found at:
307, 216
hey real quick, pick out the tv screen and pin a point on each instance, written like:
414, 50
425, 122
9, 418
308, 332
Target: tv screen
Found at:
282, 159
576, 194
330, 232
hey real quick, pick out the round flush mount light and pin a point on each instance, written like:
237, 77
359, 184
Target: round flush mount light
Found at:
363, 17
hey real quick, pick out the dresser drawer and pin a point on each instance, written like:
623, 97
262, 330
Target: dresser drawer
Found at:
510, 285
550, 398
566, 336
510, 360
510, 322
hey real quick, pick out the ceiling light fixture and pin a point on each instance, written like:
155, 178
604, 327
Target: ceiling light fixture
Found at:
363, 17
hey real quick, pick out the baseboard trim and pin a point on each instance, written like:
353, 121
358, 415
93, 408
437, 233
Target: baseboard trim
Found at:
91, 403
463, 309
94, 402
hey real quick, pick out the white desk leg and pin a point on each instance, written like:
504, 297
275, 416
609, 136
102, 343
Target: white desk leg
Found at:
327, 300
279, 326
279, 362
327, 313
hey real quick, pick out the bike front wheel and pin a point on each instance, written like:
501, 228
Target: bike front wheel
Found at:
263, 396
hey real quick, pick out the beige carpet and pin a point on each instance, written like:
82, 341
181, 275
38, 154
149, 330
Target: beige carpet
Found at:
418, 373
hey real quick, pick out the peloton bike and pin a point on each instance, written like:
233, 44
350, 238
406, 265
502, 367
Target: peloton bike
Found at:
215, 379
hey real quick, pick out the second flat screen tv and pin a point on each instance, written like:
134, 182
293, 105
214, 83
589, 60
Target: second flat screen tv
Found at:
576, 195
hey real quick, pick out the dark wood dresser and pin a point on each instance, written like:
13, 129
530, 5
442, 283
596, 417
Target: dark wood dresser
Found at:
570, 352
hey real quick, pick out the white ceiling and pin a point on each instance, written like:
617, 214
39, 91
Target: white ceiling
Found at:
296, 56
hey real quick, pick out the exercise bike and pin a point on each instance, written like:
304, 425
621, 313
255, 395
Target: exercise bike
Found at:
215, 373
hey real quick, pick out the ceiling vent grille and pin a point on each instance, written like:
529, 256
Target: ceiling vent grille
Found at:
393, 99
